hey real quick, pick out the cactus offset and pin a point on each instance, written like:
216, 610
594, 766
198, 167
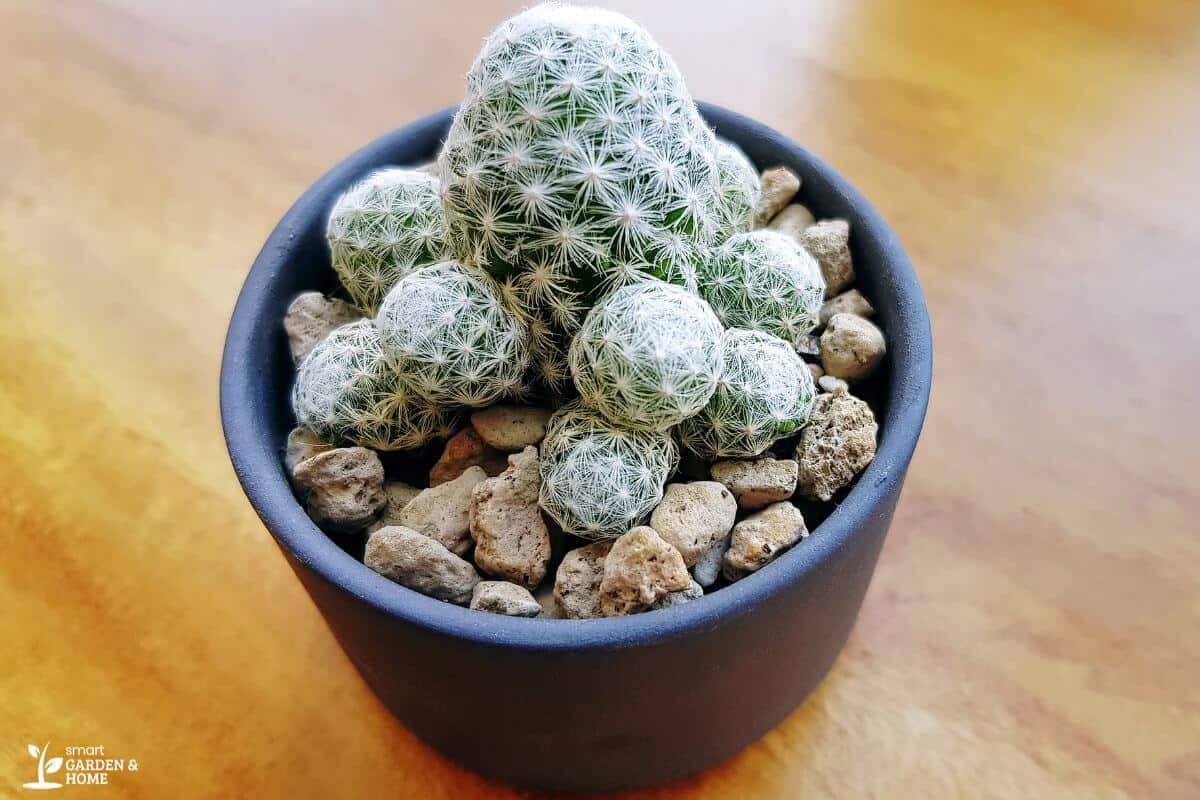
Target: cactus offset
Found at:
450, 339
764, 281
599, 480
765, 394
648, 356
346, 391
383, 228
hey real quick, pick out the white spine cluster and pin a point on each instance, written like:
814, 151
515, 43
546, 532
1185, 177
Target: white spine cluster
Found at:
648, 356
383, 228
347, 392
450, 339
598, 480
765, 394
764, 281
738, 183
577, 163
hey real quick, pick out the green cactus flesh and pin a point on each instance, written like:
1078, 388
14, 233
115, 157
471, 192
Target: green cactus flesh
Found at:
648, 356
764, 281
347, 392
765, 394
599, 480
737, 181
450, 339
383, 228
577, 163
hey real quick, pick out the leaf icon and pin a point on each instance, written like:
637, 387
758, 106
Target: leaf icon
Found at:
33, 751
53, 766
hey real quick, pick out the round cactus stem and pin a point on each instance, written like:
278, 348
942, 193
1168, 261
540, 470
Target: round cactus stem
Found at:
383, 228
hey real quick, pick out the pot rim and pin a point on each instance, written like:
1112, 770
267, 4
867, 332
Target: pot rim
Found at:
259, 469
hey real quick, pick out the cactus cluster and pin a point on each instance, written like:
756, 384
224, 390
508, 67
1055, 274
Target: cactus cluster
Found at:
586, 231
764, 281
577, 163
648, 356
765, 393
386, 226
347, 391
599, 479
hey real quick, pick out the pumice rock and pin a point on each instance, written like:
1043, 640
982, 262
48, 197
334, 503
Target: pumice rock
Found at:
758, 483
759, 538
832, 385
302, 444
443, 512
311, 317
420, 563
808, 345
465, 449
778, 186
852, 348
708, 568
399, 495
502, 597
511, 539
694, 516
506, 427
848, 302
694, 591
837, 444
793, 221
577, 582
345, 488
641, 568
829, 243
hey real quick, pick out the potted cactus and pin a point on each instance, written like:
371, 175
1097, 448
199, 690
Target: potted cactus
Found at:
586, 359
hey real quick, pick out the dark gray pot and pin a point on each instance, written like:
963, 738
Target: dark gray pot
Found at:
583, 704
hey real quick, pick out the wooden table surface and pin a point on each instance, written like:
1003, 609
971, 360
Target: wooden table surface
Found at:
1033, 629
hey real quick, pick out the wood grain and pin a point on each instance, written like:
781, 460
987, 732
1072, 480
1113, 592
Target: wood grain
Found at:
1034, 626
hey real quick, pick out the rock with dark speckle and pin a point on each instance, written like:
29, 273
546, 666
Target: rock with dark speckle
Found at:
510, 428
502, 597
760, 538
420, 563
641, 568
443, 512
694, 516
311, 317
759, 482
694, 591
344, 488
511, 538
577, 582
